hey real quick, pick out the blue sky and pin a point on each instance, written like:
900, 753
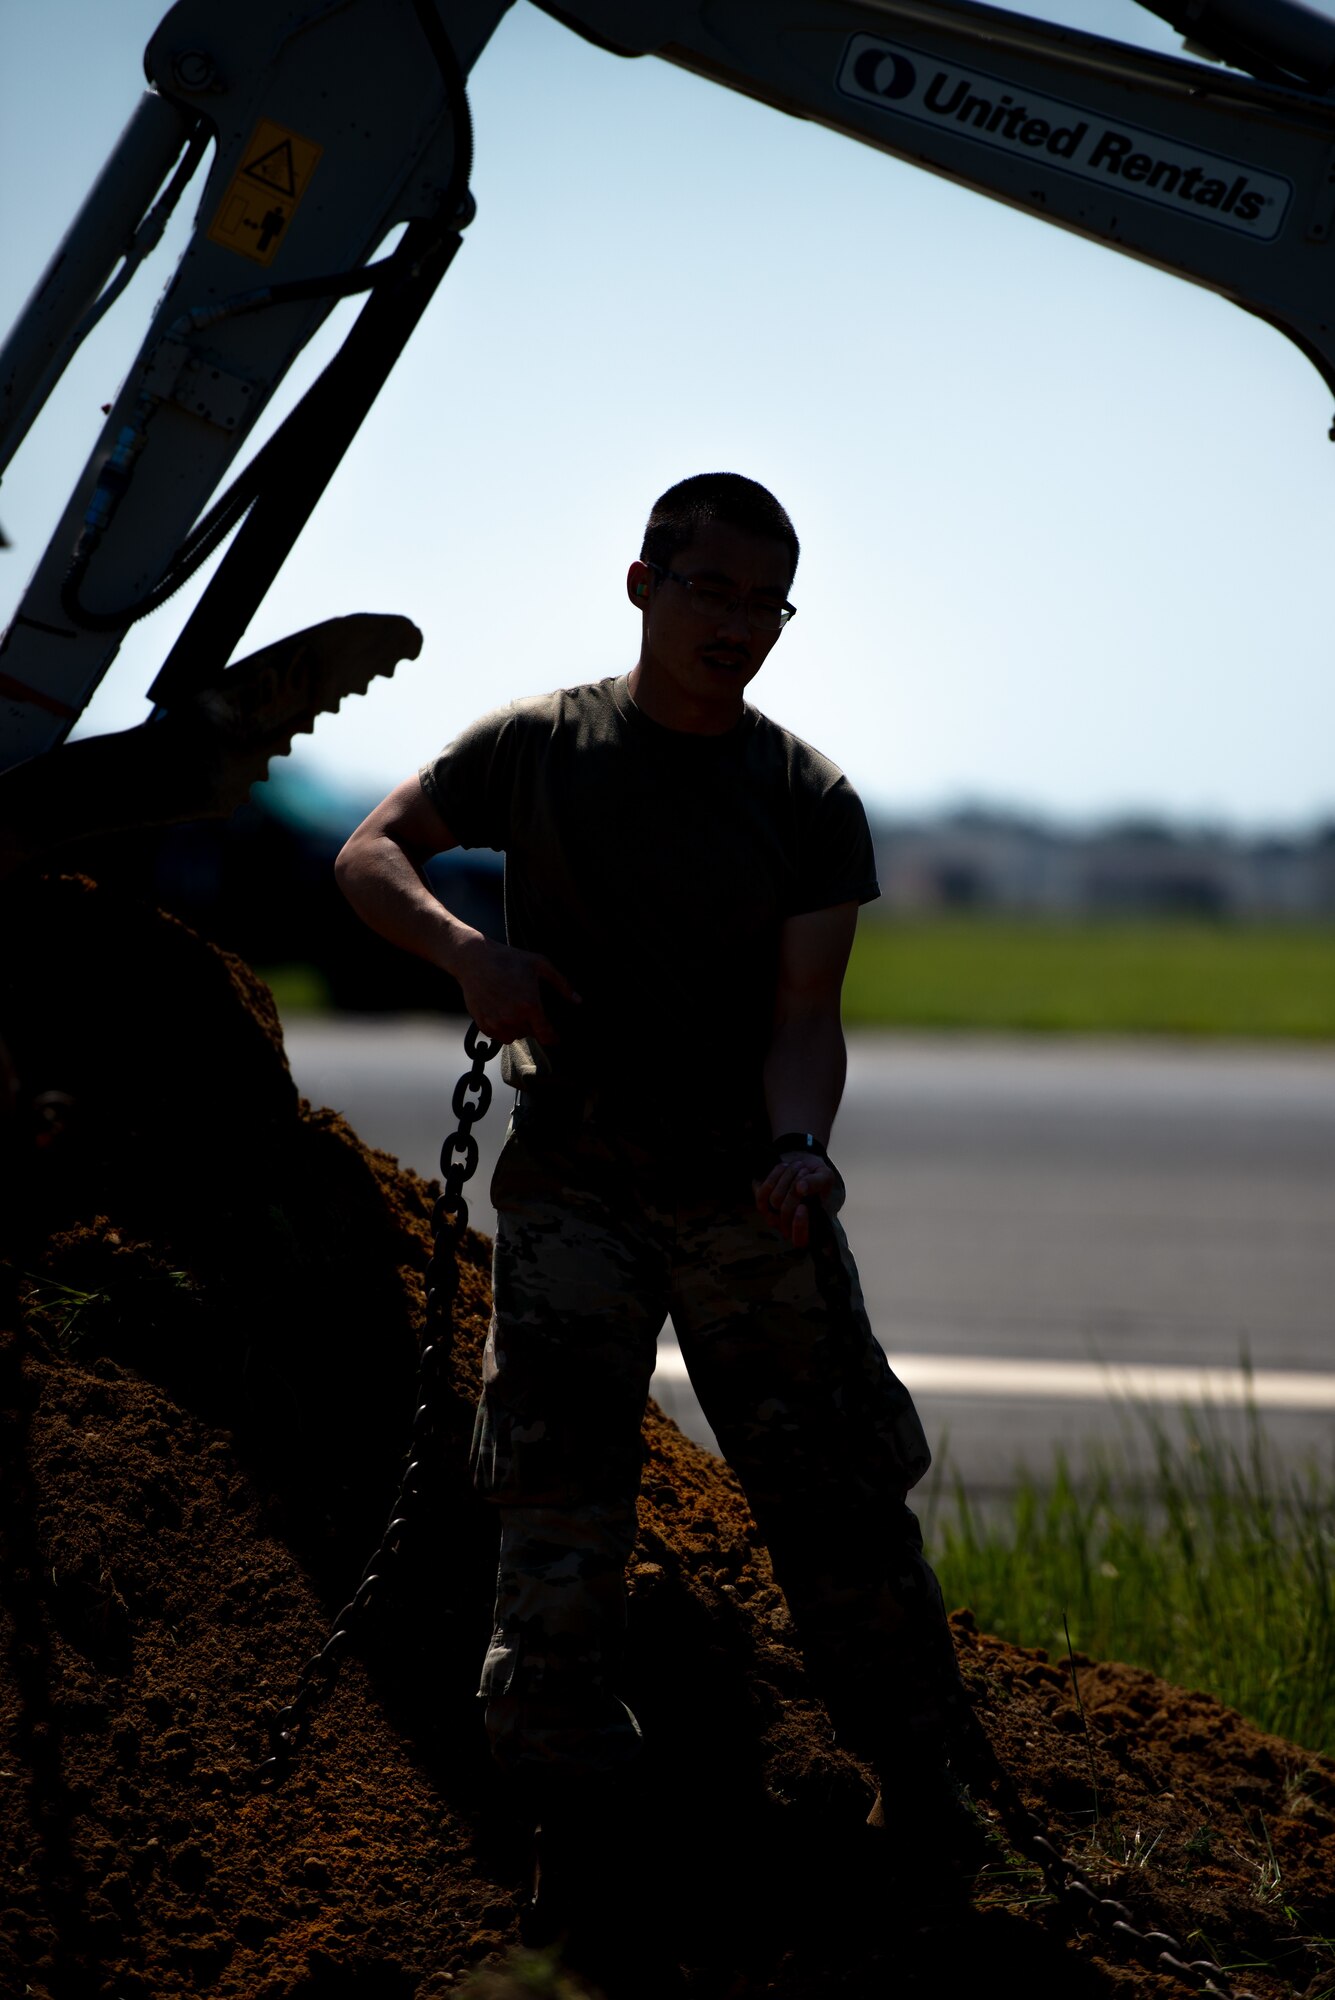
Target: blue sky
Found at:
1067, 523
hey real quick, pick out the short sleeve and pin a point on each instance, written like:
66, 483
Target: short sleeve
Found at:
838, 862
472, 782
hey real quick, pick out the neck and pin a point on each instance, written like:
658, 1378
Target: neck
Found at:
670, 706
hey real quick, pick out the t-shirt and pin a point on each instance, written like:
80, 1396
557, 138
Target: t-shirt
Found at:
654, 867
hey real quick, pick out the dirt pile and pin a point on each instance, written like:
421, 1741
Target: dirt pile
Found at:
206, 1375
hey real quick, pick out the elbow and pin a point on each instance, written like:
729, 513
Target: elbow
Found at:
808, 1015
346, 863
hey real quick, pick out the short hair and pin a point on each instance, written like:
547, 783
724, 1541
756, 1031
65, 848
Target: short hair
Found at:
678, 515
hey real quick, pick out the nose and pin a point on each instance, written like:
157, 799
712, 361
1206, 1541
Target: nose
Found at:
737, 623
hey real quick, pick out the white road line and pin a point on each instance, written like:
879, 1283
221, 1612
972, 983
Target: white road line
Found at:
1089, 1381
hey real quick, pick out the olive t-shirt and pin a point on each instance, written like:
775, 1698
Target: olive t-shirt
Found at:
654, 867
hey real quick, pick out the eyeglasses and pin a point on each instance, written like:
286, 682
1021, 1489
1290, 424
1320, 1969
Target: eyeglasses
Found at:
708, 600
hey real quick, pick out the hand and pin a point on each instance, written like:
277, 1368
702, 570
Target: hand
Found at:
785, 1195
502, 989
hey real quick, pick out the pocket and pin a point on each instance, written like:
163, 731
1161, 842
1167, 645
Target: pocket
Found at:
559, 1419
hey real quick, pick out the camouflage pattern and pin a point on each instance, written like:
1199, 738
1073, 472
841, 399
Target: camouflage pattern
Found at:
599, 1236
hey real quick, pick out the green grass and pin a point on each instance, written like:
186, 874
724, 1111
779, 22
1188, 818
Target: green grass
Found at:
525, 1975
1215, 1572
1176, 978
297, 989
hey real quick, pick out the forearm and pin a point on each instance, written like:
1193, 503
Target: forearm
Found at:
390, 894
805, 1067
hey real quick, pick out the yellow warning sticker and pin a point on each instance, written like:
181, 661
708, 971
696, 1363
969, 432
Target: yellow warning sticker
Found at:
274, 174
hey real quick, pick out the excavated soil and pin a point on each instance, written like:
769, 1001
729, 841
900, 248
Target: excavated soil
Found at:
210, 1326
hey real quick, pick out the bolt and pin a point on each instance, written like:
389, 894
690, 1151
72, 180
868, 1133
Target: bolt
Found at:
193, 69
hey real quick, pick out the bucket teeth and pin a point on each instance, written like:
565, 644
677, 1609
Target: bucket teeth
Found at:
201, 758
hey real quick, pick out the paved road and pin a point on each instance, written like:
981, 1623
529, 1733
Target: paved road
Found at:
1017, 1207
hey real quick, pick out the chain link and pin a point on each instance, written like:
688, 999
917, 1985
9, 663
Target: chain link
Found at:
1072, 1887
1069, 1883
449, 1219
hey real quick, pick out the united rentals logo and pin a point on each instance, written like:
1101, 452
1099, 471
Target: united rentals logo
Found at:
1145, 164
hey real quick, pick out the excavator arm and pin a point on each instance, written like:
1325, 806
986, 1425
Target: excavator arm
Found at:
1221, 179
331, 125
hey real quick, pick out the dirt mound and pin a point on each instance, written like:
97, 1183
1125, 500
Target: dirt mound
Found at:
206, 1377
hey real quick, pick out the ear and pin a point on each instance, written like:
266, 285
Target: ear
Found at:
639, 581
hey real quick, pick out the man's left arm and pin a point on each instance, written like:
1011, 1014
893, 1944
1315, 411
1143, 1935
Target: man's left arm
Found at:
806, 1062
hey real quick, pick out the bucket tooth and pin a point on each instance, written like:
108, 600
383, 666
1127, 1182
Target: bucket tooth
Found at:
200, 758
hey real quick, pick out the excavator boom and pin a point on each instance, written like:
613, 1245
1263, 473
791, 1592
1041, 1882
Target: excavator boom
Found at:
332, 125
1216, 177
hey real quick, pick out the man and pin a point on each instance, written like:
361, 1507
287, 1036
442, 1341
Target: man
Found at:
683, 878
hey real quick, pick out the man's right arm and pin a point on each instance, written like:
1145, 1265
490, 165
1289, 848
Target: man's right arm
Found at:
381, 871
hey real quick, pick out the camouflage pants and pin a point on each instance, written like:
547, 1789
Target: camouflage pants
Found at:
598, 1238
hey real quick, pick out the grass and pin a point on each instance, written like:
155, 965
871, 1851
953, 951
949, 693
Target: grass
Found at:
1054, 976
1216, 1572
1090, 977
525, 1975
297, 989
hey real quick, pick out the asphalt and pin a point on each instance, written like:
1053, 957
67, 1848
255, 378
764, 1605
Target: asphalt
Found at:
1051, 1234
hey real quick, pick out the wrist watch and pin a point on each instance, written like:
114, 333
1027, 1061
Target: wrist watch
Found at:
799, 1142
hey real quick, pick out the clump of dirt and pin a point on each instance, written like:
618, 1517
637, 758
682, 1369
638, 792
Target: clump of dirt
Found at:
207, 1367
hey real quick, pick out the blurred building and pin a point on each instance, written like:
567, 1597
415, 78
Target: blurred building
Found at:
976, 860
262, 883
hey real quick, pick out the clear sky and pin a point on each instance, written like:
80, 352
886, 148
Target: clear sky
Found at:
1067, 523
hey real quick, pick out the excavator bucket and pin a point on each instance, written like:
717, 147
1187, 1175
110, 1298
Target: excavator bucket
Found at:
200, 758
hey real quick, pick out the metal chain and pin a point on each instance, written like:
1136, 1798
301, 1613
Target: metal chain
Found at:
1071, 1885
449, 1219
1068, 1882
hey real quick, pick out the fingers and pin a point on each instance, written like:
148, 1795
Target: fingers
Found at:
794, 1219
518, 1024
541, 1030
546, 970
785, 1184
546, 974
505, 995
785, 1195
